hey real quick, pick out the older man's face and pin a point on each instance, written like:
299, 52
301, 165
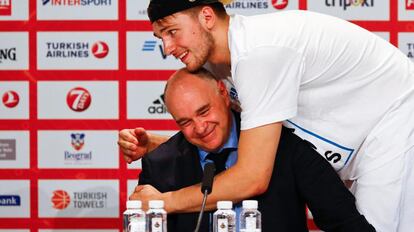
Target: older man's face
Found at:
201, 109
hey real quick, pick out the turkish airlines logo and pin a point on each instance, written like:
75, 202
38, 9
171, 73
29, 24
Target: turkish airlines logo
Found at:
78, 99
100, 49
280, 4
5, 7
409, 4
10, 99
60, 199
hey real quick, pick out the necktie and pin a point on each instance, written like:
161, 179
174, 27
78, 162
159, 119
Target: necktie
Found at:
219, 159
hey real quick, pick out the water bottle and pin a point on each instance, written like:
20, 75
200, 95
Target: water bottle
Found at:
134, 217
156, 217
250, 217
224, 219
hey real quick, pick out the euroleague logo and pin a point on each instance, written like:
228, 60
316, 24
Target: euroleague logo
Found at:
10, 99
280, 4
78, 99
60, 199
100, 49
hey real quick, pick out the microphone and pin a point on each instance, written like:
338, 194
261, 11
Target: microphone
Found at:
208, 177
206, 188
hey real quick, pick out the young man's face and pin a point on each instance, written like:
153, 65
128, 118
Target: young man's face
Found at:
202, 112
185, 38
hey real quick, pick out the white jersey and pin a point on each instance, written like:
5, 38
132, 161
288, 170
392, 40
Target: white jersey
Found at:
329, 79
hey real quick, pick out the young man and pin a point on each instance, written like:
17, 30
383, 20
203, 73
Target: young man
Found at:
347, 91
201, 107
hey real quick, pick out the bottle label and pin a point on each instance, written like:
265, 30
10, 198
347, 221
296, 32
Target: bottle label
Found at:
156, 225
222, 225
250, 223
136, 226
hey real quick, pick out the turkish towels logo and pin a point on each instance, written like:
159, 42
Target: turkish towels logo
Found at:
100, 49
10, 99
78, 99
5, 7
280, 4
60, 199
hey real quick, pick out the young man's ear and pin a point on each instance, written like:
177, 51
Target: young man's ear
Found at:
207, 17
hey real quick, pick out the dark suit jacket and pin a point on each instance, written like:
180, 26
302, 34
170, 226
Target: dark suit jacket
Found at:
300, 176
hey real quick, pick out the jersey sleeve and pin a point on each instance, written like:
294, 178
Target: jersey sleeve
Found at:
267, 80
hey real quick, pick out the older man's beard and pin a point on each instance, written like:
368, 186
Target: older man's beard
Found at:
204, 51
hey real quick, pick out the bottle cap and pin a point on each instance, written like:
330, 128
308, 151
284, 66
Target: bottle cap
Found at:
224, 204
133, 204
250, 204
156, 204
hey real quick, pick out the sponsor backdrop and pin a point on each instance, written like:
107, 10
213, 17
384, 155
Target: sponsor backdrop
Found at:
74, 72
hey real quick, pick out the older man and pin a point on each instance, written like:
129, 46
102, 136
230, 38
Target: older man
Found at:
209, 131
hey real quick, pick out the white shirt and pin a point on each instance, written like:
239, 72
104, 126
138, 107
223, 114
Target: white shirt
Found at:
329, 79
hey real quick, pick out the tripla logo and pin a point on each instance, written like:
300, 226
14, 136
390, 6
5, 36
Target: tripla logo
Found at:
5, 7
345, 4
10, 99
100, 49
280, 4
60, 199
78, 99
409, 4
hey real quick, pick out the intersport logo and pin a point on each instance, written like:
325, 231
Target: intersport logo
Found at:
78, 99
77, 2
5, 7
409, 4
10, 99
345, 4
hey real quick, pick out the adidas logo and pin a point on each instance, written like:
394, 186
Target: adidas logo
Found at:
158, 106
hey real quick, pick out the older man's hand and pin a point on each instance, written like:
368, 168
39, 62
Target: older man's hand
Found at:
134, 143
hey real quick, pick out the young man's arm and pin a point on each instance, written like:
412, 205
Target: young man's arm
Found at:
250, 175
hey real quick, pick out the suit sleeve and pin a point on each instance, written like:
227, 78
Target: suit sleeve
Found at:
145, 175
332, 205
